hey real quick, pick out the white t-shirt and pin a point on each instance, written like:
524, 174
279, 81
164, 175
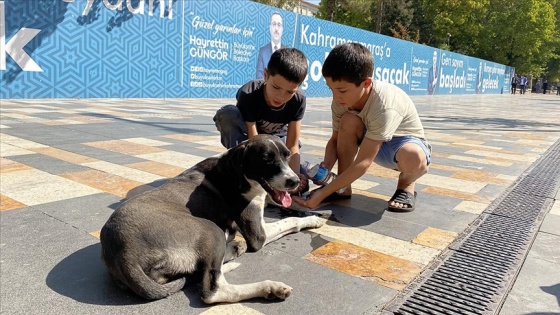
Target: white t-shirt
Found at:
389, 112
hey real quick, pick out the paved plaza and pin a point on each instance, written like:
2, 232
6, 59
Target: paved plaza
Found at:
67, 164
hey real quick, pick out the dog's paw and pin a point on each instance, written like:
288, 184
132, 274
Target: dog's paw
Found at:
278, 290
313, 222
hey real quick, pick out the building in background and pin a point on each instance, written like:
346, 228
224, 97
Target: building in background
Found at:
306, 8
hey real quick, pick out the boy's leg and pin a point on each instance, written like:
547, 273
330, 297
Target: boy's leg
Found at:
231, 126
352, 132
411, 156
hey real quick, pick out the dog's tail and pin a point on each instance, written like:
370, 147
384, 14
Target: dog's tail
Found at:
147, 288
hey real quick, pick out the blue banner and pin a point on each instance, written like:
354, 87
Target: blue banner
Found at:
199, 49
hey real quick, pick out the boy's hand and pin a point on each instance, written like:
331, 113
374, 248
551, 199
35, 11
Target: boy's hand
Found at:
315, 198
303, 184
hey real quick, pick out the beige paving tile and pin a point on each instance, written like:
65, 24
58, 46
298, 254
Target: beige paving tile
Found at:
471, 206
481, 161
7, 165
509, 178
377, 242
378, 267
7, 203
480, 176
90, 119
65, 155
217, 149
124, 147
187, 137
173, 158
62, 122
478, 146
512, 156
123, 171
165, 170
7, 150
33, 187
363, 184
451, 183
231, 309
146, 141
555, 207
457, 194
102, 181
435, 238
26, 118
213, 142
377, 170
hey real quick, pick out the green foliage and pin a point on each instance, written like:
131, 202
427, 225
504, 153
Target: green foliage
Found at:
520, 33
282, 4
354, 13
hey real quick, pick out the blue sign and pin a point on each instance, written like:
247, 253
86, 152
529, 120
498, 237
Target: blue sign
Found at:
199, 49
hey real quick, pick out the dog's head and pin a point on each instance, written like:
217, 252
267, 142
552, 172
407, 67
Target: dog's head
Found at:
266, 161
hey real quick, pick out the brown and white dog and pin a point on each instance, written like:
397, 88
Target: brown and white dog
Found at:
154, 241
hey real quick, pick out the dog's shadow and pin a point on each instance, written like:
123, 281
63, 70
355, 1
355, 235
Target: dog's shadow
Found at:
83, 278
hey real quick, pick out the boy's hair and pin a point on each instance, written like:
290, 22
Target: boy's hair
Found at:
289, 63
351, 62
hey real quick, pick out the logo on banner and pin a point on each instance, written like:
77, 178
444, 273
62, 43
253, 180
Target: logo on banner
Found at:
118, 5
14, 47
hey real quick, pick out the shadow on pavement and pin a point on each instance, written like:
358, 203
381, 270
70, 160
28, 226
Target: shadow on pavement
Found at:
83, 278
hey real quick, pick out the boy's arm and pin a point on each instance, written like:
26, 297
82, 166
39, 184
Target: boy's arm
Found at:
366, 154
251, 129
292, 142
330, 151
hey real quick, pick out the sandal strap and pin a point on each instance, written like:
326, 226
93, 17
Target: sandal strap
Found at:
404, 197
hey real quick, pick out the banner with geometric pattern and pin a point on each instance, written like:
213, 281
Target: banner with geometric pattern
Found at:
199, 49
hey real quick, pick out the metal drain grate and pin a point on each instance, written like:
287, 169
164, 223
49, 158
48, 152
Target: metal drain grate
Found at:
477, 270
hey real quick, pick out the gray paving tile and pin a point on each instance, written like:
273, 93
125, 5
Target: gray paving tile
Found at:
88, 213
53, 135
317, 289
493, 191
54, 268
48, 164
537, 287
100, 154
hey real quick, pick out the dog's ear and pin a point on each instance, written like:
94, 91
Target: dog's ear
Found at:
234, 158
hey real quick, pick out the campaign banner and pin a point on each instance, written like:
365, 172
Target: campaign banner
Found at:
200, 49
224, 48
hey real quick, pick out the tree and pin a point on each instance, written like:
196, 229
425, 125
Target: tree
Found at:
354, 13
282, 4
394, 13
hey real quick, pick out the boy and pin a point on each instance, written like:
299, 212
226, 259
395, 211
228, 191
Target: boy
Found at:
273, 105
375, 120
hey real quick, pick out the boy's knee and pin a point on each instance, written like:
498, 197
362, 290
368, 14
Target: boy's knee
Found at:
226, 113
351, 124
412, 158
227, 117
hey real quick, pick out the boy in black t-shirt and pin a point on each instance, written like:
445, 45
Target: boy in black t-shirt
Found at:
273, 106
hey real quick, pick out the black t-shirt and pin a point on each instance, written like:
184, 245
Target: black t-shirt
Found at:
253, 107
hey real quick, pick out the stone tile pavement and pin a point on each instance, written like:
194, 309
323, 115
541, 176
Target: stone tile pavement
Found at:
67, 164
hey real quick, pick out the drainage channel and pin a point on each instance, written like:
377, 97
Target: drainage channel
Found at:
477, 271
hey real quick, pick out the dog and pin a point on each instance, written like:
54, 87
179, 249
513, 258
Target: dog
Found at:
183, 230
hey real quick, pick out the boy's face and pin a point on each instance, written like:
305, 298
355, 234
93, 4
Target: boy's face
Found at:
347, 94
278, 90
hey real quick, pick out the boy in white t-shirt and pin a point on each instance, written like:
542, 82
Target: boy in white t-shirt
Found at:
372, 121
